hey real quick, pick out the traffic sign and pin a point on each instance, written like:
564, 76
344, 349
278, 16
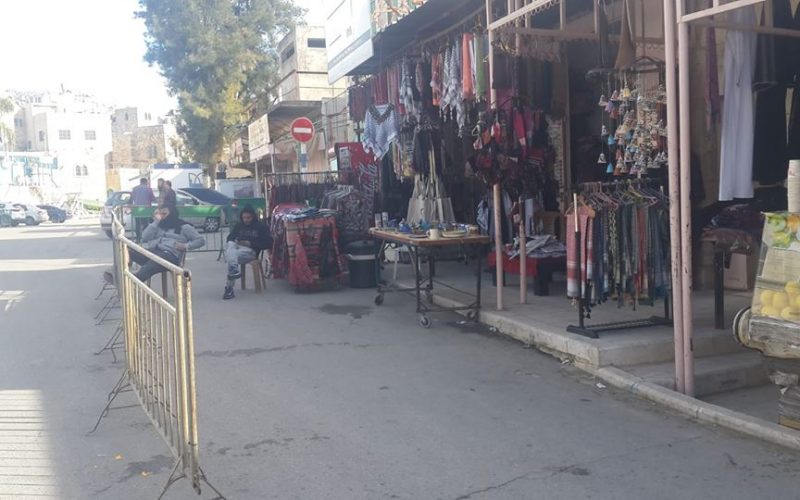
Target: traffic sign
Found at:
302, 130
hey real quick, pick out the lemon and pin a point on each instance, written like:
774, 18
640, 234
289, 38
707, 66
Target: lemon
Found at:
797, 302
790, 314
792, 288
770, 312
780, 300
766, 297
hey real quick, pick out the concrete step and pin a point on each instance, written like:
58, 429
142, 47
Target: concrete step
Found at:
713, 374
656, 345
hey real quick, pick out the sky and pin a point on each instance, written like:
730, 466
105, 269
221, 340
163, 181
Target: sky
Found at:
89, 46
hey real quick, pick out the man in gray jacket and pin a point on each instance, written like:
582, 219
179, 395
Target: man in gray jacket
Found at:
169, 238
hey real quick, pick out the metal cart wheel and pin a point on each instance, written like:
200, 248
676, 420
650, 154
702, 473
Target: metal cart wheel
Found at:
424, 321
379, 300
741, 324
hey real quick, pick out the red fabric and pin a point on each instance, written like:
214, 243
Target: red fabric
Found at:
466, 67
578, 272
513, 265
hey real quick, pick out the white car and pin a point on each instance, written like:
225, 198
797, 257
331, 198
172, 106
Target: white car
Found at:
33, 214
17, 213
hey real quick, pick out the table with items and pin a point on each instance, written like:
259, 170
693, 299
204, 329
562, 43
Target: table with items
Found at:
419, 247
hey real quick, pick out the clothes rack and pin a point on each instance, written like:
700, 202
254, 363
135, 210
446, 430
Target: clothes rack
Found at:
632, 200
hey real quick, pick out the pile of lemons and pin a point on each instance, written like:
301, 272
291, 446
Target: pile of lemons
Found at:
781, 304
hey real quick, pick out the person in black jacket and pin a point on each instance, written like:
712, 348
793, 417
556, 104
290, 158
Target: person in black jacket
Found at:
247, 240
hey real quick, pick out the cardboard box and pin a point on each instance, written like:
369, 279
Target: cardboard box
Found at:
742, 273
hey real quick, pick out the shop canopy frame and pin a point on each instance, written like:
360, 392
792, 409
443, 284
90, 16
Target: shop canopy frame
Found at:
519, 21
676, 14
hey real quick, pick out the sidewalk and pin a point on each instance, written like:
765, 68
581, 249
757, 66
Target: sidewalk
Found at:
731, 383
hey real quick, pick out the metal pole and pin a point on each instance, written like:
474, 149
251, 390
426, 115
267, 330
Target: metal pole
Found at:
523, 255
685, 200
496, 191
674, 190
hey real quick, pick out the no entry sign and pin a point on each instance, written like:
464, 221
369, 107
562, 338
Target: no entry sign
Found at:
302, 130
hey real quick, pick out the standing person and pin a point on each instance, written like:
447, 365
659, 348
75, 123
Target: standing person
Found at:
160, 187
247, 240
141, 196
169, 195
169, 238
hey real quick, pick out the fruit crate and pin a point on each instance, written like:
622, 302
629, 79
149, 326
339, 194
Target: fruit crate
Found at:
776, 297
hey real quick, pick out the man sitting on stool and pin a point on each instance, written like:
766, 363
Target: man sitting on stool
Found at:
248, 238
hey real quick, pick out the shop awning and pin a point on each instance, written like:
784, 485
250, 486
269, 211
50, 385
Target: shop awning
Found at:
428, 20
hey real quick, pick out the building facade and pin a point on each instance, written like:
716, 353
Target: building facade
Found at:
140, 139
301, 90
72, 132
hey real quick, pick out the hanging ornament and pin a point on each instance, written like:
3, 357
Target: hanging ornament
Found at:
603, 101
610, 169
603, 131
601, 159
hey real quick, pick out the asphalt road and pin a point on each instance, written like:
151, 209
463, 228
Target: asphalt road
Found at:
325, 396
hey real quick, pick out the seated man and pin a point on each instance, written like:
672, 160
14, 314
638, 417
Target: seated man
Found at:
169, 238
247, 240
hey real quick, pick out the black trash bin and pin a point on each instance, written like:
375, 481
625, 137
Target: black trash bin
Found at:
361, 262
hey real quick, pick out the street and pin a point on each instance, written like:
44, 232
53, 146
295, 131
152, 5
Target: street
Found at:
326, 396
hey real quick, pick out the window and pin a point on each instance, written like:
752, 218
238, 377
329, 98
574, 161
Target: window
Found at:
78, 170
286, 54
85, 170
148, 117
126, 116
152, 152
316, 43
90, 135
81, 171
18, 122
64, 135
41, 136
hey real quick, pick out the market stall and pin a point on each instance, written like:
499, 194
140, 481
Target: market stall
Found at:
426, 247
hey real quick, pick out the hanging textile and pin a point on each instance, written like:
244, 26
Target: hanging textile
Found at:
712, 80
481, 66
736, 155
305, 249
467, 73
626, 53
774, 72
624, 251
380, 129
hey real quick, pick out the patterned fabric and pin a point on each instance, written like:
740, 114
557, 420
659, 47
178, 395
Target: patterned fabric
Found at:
306, 252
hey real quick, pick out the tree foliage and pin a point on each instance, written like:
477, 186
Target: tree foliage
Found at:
6, 131
215, 55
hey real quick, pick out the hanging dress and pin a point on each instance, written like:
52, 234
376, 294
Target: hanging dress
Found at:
736, 156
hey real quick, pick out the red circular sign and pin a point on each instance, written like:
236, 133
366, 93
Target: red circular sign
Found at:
302, 129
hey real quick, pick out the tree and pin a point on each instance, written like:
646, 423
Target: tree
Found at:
6, 131
215, 54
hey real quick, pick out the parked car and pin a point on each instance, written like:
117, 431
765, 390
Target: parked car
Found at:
56, 214
204, 196
33, 214
116, 199
17, 213
183, 197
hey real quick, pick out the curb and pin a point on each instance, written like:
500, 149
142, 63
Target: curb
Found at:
694, 408
697, 409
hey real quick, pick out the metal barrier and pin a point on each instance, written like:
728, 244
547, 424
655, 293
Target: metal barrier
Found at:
159, 358
140, 217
